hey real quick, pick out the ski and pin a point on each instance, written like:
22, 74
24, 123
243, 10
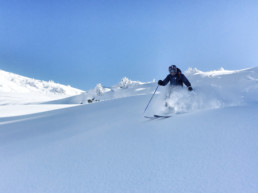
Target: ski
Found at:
158, 116
162, 116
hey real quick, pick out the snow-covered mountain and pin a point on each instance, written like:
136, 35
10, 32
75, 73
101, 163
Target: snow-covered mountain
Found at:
16, 89
208, 145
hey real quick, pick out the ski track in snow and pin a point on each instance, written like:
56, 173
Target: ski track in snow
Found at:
208, 145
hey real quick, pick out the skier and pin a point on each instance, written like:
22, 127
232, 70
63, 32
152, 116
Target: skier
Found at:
176, 78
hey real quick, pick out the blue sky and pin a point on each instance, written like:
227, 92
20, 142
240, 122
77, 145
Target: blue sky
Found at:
85, 42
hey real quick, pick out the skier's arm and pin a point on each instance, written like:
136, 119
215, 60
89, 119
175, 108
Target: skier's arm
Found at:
185, 81
165, 81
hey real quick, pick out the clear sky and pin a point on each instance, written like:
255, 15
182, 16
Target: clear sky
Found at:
85, 42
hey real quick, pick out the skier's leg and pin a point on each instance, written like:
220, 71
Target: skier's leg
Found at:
168, 93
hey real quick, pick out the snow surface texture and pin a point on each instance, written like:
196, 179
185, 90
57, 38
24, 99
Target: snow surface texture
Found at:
109, 147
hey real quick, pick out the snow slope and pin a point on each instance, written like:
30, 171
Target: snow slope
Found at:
16, 89
214, 89
109, 147
124, 88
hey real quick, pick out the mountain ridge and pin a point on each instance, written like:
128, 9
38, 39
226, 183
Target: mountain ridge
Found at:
14, 83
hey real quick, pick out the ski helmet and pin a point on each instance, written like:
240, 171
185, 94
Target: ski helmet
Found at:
172, 69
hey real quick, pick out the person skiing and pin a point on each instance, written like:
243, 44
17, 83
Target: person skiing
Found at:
176, 78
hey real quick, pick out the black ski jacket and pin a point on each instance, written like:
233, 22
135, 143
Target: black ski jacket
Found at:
176, 80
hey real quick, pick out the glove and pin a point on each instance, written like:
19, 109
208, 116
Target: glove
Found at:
160, 82
190, 88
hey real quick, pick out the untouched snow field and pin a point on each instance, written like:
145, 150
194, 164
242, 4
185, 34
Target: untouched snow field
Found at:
209, 145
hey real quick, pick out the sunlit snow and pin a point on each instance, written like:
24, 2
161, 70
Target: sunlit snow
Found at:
103, 143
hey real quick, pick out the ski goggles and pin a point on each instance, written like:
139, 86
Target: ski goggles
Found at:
172, 70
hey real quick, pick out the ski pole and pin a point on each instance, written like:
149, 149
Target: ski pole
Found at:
151, 98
